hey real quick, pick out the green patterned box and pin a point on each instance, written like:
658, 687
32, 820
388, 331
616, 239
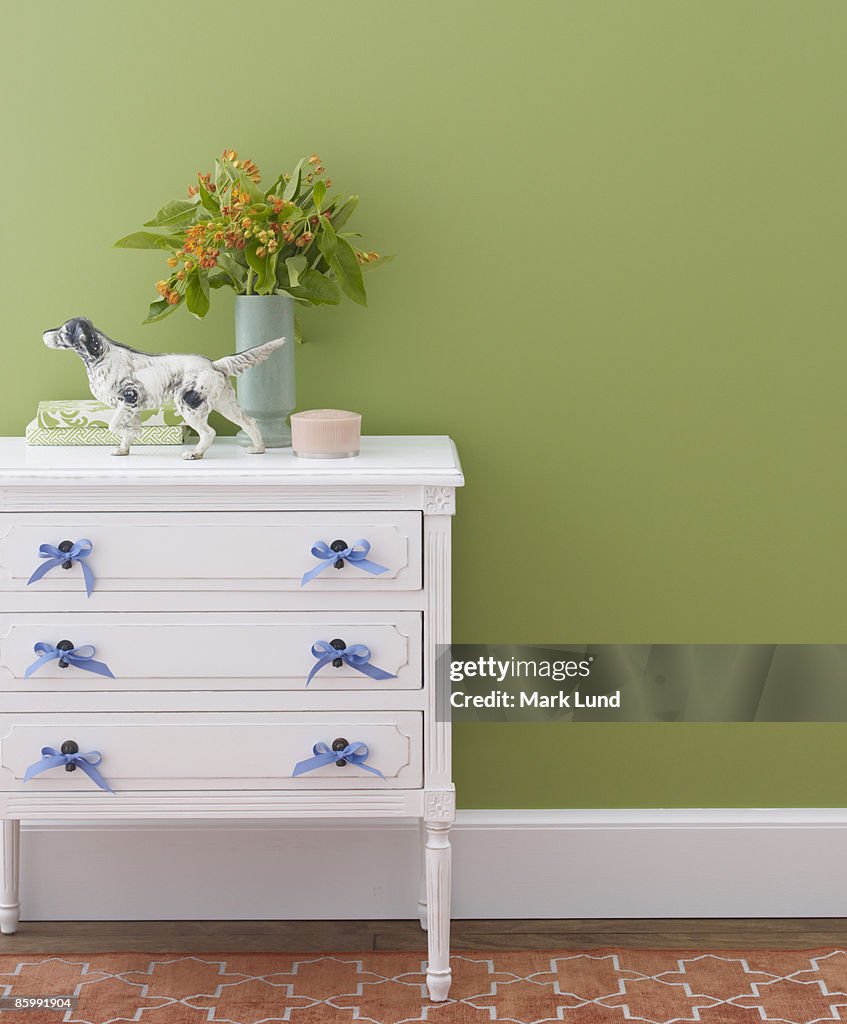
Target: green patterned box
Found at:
85, 412
84, 421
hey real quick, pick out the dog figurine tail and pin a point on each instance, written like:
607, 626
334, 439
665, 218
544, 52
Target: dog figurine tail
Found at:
235, 365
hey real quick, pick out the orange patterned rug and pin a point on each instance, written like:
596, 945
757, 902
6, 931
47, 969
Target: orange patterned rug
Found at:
611, 986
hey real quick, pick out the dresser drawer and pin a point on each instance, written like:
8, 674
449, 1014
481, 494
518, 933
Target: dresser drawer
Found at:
212, 651
212, 752
214, 550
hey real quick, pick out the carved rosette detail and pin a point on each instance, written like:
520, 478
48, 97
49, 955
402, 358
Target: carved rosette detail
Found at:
440, 806
439, 501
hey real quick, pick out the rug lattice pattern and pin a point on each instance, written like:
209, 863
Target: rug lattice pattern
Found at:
597, 987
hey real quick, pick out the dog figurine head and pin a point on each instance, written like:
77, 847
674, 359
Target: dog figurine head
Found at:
81, 336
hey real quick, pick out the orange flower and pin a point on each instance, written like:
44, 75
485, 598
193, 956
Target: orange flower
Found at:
173, 298
251, 170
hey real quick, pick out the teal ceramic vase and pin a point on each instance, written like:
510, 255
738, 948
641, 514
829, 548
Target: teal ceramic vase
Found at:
266, 392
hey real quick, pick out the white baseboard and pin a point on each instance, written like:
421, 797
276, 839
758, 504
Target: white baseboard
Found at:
544, 864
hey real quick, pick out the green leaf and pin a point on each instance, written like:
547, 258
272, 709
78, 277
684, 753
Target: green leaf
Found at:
197, 294
249, 186
257, 265
264, 268
220, 279
140, 240
236, 271
173, 242
327, 240
344, 212
159, 310
176, 212
277, 187
209, 201
221, 178
316, 289
293, 186
269, 286
343, 261
229, 173
319, 193
296, 265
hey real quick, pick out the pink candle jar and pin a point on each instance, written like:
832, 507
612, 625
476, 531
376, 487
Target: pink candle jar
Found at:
326, 433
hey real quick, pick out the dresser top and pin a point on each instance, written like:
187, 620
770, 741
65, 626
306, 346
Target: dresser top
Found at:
413, 460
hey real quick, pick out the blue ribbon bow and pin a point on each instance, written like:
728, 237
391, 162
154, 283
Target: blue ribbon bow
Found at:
356, 554
81, 657
80, 550
51, 758
356, 753
357, 656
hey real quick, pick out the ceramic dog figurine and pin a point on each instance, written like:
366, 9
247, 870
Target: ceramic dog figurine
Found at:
129, 381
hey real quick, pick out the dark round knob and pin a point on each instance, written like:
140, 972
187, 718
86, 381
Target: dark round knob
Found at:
338, 545
70, 747
65, 547
339, 645
64, 645
337, 745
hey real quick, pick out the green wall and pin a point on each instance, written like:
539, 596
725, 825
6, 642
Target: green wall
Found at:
620, 232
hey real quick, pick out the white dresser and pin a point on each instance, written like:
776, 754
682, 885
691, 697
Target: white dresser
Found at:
216, 589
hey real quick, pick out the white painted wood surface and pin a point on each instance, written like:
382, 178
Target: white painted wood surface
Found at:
196, 550
207, 751
198, 605
210, 651
390, 460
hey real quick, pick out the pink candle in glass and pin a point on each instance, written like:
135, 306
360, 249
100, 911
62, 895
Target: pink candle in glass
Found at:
326, 433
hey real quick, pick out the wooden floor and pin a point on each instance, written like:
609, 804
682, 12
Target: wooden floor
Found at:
353, 936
